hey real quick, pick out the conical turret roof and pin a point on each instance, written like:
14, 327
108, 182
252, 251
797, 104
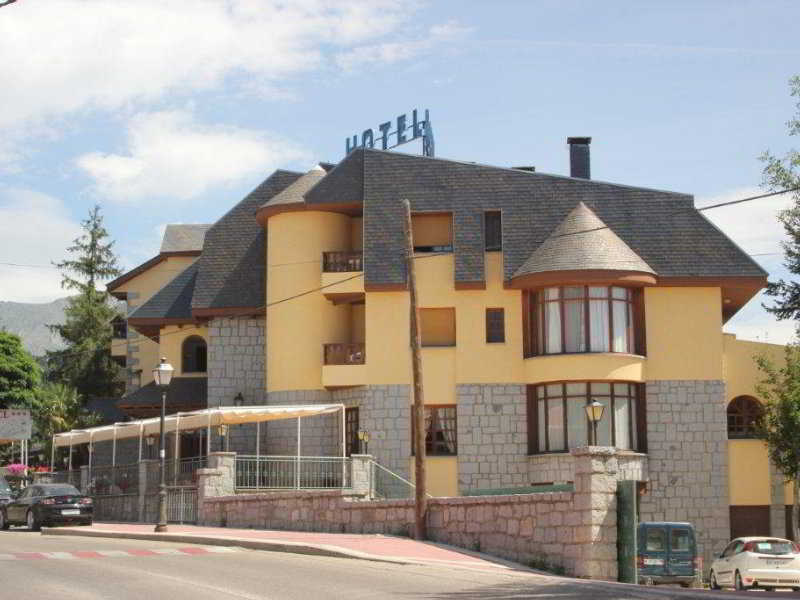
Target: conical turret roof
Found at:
583, 242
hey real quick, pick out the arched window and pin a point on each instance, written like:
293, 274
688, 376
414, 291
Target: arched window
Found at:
744, 415
193, 355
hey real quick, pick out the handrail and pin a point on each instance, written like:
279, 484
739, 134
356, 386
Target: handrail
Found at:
345, 354
342, 262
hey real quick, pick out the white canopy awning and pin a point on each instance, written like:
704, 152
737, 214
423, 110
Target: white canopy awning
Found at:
198, 419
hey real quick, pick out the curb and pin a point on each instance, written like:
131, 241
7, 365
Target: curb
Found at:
249, 543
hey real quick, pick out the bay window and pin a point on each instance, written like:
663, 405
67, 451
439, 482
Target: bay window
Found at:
584, 318
557, 419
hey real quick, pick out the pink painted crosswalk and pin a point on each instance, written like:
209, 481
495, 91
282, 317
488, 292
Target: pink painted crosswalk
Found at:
80, 554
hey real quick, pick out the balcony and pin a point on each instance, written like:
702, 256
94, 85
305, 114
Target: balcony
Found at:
344, 365
341, 282
342, 262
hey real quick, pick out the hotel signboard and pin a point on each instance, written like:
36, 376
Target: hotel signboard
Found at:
405, 130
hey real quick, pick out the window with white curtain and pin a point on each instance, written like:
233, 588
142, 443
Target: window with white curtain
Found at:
558, 421
576, 319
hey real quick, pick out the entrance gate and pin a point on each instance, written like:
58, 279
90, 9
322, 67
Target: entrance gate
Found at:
182, 504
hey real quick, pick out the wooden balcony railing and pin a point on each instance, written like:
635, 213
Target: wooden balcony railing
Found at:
345, 354
342, 262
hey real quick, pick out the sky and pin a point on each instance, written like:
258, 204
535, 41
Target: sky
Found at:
172, 111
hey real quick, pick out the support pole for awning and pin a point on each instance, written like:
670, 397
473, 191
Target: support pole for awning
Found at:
69, 465
114, 448
141, 434
91, 451
208, 435
258, 454
177, 449
52, 454
344, 446
297, 462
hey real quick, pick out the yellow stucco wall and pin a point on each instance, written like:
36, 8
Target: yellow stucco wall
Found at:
748, 469
684, 339
146, 284
441, 475
298, 329
119, 346
741, 373
172, 338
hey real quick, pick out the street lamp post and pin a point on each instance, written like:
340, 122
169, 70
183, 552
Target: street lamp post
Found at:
162, 375
594, 411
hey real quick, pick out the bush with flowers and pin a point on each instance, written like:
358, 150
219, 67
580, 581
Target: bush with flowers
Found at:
17, 469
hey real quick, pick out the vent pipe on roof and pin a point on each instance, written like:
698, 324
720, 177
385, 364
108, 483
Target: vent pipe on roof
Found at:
579, 163
529, 168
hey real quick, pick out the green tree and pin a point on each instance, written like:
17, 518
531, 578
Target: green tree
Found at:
19, 373
56, 408
783, 173
85, 363
780, 425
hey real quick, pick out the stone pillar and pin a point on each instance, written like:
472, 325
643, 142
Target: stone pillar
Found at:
361, 475
777, 502
219, 479
85, 479
595, 501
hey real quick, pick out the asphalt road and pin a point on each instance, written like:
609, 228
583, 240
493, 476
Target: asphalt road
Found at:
66, 568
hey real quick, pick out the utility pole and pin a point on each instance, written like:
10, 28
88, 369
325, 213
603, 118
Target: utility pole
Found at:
418, 409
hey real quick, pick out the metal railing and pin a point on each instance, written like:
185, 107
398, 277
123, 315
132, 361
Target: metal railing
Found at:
292, 472
388, 485
71, 477
114, 480
182, 504
342, 262
345, 354
183, 471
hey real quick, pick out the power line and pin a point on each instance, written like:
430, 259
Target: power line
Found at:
786, 191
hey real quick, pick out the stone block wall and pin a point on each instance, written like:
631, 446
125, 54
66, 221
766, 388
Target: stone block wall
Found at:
385, 412
560, 467
575, 532
319, 436
236, 360
688, 459
492, 436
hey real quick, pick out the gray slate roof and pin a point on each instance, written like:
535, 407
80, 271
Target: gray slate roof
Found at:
295, 192
663, 228
231, 269
582, 242
173, 301
184, 393
183, 238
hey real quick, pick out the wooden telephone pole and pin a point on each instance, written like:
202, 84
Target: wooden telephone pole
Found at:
418, 409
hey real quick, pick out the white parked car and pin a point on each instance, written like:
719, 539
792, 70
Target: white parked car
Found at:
757, 562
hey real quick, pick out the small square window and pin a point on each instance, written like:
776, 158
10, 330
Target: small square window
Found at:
495, 326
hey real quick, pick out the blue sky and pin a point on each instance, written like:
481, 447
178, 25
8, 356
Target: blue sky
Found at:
169, 112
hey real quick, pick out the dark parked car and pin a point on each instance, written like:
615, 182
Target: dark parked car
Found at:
47, 504
5, 491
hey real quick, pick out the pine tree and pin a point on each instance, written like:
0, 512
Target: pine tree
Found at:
85, 363
784, 174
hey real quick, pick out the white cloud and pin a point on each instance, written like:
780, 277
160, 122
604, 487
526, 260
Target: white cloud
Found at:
755, 227
36, 229
392, 52
65, 57
169, 155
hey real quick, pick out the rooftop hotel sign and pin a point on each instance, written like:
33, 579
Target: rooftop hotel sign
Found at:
405, 130
15, 425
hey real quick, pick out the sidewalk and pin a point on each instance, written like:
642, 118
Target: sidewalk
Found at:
344, 545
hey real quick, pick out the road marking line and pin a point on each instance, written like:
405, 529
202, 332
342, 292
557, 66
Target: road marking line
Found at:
186, 551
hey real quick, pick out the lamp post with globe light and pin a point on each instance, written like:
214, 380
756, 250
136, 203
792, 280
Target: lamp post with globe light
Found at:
162, 375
